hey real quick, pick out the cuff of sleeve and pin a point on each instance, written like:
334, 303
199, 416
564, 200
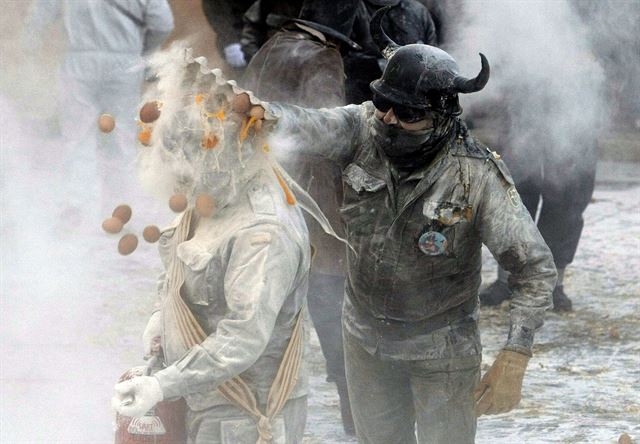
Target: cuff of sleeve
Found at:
520, 339
170, 382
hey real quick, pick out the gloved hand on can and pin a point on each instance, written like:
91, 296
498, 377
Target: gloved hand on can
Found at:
135, 397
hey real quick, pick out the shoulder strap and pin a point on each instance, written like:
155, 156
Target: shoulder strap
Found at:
238, 392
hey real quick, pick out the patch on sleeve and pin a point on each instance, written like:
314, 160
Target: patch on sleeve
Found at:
514, 197
260, 238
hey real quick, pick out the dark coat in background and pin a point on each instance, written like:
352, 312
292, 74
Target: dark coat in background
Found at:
407, 22
256, 31
298, 68
225, 18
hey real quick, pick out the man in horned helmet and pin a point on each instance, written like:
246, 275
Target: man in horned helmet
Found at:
421, 196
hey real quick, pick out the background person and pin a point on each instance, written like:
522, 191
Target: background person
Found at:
102, 72
302, 65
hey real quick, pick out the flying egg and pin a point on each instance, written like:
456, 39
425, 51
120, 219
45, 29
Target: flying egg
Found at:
178, 203
106, 123
127, 245
204, 205
150, 112
112, 225
122, 212
151, 234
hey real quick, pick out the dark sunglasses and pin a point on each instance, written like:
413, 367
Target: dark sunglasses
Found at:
404, 113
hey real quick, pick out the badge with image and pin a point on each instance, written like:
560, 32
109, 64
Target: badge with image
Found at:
433, 243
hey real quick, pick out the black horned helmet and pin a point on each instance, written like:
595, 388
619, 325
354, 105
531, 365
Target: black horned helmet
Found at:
421, 76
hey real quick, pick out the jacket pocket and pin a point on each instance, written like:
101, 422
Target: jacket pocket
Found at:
448, 220
359, 219
195, 261
359, 180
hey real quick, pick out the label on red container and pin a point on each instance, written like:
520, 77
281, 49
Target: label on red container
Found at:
146, 425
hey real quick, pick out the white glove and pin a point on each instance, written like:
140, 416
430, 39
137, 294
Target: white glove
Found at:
152, 334
234, 56
135, 397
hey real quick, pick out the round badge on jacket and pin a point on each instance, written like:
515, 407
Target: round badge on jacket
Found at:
432, 243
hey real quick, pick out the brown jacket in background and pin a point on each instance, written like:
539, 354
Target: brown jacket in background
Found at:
302, 69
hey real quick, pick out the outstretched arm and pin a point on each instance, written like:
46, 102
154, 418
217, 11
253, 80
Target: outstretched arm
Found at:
332, 133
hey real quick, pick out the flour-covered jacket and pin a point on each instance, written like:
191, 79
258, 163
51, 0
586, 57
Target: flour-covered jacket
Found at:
414, 276
245, 281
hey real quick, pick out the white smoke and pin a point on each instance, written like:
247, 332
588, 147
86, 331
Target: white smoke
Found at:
69, 304
546, 86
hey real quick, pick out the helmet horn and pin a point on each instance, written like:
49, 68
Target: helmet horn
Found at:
387, 46
465, 86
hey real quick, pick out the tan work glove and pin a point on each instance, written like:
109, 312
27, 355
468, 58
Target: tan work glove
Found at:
500, 388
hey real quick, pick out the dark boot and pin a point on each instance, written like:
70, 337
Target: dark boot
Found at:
561, 301
345, 410
495, 294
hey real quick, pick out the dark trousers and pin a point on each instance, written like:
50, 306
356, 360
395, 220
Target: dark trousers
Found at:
389, 398
326, 293
565, 186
